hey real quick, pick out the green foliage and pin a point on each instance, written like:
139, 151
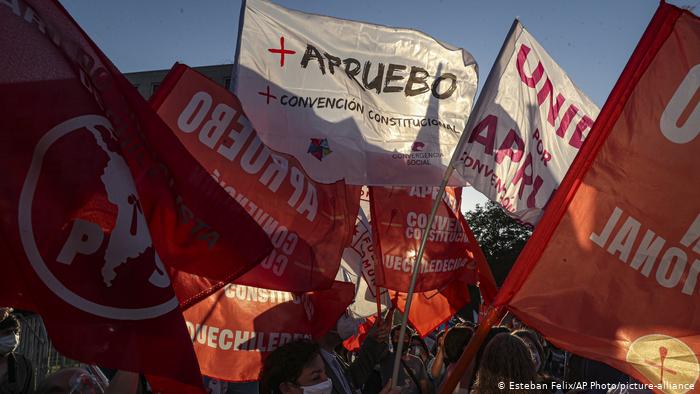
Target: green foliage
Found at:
500, 237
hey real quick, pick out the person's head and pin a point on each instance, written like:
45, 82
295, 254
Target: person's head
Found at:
295, 368
456, 340
9, 333
395, 333
491, 334
419, 349
505, 359
534, 346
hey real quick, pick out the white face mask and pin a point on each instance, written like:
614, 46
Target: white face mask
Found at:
325, 387
346, 326
8, 343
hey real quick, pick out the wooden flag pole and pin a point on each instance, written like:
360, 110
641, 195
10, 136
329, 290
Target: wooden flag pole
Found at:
494, 73
416, 268
492, 317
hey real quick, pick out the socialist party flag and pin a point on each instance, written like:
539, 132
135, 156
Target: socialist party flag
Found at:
308, 223
359, 265
611, 272
371, 104
528, 125
400, 220
236, 328
92, 180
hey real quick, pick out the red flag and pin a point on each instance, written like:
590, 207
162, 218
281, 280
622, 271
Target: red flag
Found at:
358, 266
432, 308
399, 220
89, 168
611, 272
354, 342
234, 329
308, 223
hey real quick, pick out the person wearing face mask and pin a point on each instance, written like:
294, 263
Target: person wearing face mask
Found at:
350, 378
420, 349
16, 372
412, 373
295, 368
298, 368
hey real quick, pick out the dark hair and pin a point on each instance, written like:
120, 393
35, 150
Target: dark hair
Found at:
420, 342
409, 330
529, 336
286, 364
10, 322
491, 334
456, 340
407, 337
505, 359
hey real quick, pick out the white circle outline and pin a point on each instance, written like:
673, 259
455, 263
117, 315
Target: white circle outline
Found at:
29, 243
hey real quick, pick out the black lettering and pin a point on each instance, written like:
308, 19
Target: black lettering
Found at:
313, 53
449, 91
417, 75
354, 71
390, 77
333, 61
376, 82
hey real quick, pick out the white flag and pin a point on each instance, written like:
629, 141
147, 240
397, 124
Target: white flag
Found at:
358, 266
372, 104
528, 126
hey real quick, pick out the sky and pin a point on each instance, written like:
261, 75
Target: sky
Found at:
591, 40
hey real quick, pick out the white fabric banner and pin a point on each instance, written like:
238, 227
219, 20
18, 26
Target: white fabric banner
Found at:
359, 263
372, 104
528, 126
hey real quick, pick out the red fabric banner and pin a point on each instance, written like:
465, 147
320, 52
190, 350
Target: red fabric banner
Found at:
234, 329
354, 342
94, 182
399, 220
611, 272
432, 308
308, 223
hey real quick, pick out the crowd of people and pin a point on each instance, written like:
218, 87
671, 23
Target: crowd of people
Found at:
517, 355
510, 353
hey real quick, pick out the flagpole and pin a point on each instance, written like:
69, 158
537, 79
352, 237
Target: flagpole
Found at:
492, 317
234, 70
417, 264
438, 200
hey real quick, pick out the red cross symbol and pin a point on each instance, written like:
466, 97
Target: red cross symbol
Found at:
282, 51
663, 353
267, 94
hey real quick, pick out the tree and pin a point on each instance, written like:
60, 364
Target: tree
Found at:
500, 237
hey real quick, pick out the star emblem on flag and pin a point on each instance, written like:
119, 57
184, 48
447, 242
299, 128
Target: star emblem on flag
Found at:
319, 148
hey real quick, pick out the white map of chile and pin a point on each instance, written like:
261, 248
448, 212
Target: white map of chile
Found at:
129, 237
